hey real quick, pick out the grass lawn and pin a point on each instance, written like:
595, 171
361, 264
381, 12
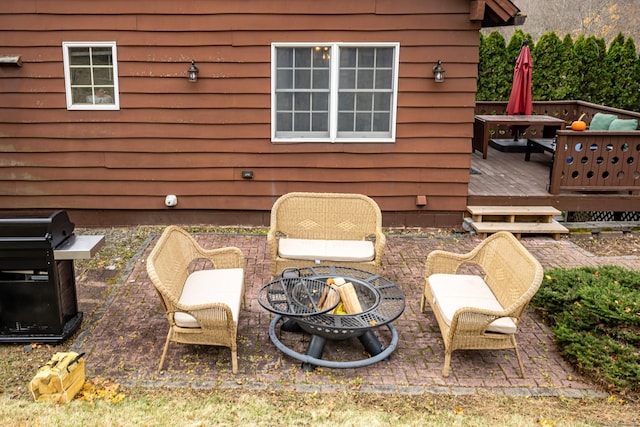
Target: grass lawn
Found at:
175, 407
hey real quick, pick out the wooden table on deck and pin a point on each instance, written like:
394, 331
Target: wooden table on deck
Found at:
483, 123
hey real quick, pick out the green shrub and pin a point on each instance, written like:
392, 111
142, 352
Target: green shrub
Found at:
585, 70
595, 316
549, 70
621, 61
495, 72
592, 53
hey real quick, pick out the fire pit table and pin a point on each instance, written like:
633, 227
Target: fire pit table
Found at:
294, 298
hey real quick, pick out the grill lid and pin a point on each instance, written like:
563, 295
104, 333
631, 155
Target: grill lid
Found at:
25, 225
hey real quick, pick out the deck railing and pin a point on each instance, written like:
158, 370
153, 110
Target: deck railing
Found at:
596, 161
605, 161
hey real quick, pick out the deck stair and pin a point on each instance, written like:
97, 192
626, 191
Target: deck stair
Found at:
518, 220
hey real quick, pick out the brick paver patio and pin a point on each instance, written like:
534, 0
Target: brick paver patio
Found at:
123, 335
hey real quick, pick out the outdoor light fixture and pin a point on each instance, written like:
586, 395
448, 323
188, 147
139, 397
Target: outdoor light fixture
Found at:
438, 72
192, 72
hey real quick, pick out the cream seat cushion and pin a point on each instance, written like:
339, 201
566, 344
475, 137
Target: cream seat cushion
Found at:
454, 291
207, 286
326, 250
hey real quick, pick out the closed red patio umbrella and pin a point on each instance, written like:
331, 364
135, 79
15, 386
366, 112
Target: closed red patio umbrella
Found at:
520, 101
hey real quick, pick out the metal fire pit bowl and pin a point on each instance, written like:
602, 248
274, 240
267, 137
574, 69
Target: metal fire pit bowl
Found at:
382, 302
345, 326
295, 296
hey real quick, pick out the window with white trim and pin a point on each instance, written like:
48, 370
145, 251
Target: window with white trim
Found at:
334, 92
91, 75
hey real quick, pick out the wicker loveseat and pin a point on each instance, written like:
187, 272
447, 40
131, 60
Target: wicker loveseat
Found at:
325, 228
481, 310
201, 290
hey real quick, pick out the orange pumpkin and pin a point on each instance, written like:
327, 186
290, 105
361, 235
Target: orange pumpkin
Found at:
579, 124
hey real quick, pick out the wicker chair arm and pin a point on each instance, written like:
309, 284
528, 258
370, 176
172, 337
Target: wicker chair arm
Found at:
476, 319
440, 261
379, 244
208, 315
272, 242
228, 257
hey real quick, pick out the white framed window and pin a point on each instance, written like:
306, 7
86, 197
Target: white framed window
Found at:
334, 92
91, 75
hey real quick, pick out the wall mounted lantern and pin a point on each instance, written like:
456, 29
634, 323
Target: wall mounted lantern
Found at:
192, 72
438, 72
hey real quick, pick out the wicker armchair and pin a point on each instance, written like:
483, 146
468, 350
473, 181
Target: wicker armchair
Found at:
481, 312
201, 291
327, 228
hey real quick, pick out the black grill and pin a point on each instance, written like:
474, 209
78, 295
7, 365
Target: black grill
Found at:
37, 292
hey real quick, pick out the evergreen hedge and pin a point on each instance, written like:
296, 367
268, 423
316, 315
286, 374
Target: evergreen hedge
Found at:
563, 69
595, 316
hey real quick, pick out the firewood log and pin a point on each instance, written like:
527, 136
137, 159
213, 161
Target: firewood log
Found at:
350, 298
330, 300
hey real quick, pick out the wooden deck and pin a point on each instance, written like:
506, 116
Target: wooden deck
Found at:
506, 179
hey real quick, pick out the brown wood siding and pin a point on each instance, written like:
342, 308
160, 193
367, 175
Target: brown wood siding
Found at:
194, 140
